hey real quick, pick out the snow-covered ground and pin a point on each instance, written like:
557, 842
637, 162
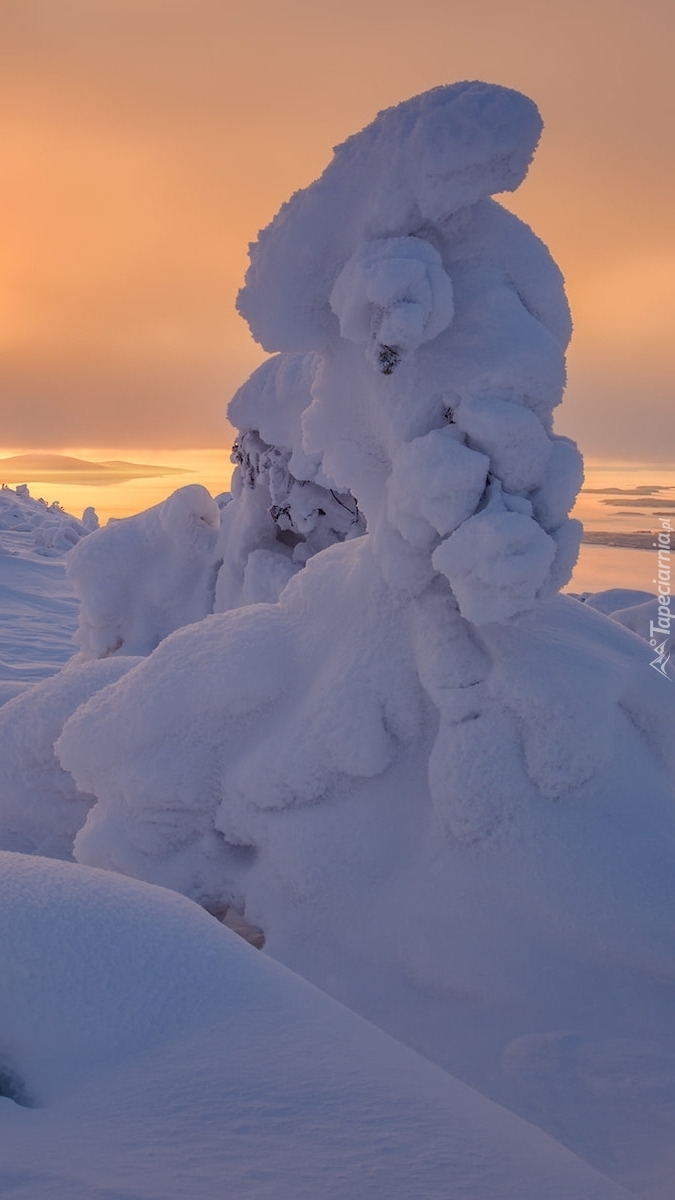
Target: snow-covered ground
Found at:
148, 1052
346, 707
38, 607
250, 1075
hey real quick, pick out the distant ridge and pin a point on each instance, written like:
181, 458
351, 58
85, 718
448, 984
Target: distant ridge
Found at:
640, 539
61, 468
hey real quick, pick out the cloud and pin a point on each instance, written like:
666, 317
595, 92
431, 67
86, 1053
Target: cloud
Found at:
145, 142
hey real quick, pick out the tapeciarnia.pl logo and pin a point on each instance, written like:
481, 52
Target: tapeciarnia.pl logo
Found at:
660, 629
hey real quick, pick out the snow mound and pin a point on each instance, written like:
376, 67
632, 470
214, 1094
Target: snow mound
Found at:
643, 619
41, 809
146, 1048
457, 317
141, 577
615, 599
644, 614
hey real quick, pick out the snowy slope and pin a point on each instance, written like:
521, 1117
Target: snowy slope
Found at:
38, 607
38, 614
154, 1055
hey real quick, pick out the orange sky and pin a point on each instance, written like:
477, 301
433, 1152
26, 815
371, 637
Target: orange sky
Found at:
144, 143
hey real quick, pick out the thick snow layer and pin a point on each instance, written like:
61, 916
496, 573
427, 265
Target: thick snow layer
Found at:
419, 310
644, 614
142, 577
148, 1052
479, 833
415, 167
392, 295
41, 809
496, 563
643, 619
615, 599
423, 331
275, 521
233, 718
467, 879
434, 486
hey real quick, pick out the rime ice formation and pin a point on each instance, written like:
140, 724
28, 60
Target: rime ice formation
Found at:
52, 529
422, 341
284, 509
140, 578
443, 791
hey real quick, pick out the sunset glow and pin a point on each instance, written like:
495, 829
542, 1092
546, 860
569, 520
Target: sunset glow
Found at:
144, 144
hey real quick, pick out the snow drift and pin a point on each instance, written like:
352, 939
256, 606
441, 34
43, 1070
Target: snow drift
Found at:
147, 1052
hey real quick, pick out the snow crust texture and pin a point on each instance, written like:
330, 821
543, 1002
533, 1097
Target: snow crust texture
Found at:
38, 607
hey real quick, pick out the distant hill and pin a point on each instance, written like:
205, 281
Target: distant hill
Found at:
46, 462
61, 468
640, 539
